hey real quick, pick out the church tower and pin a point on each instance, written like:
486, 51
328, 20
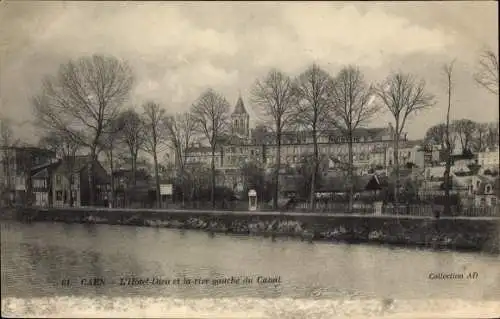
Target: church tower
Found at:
240, 120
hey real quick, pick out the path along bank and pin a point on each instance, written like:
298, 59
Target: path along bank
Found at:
454, 233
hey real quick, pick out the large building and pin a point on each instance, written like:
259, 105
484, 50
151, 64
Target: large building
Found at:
16, 165
372, 147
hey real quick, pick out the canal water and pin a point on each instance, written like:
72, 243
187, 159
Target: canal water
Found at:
73, 263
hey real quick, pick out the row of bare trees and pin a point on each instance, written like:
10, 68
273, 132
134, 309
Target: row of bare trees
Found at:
471, 136
83, 106
318, 102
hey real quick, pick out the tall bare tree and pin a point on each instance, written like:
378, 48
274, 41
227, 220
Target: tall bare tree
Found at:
352, 106
311, 113
487, 73
403, 96
276, 97
155, 138
465, 130
82, 98
133, 136
448, 72
211, 116
181, 131
66, 148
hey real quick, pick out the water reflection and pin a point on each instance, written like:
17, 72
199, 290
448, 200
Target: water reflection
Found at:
36, 258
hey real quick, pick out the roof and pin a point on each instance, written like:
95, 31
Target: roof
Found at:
240, 107
42, 171
298, 137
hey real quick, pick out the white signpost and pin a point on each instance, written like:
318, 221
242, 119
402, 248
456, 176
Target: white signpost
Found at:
252, 200
166, 189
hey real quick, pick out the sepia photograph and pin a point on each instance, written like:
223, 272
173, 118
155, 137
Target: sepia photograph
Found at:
244, 159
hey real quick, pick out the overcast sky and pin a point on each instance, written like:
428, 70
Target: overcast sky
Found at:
179, 49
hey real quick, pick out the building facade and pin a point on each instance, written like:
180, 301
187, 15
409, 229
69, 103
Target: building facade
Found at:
16, 166
372, 147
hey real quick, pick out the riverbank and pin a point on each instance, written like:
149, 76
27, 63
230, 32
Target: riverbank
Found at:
471, 234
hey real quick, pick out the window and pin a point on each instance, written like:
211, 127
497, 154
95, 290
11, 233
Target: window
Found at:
493, 201
59, 195
58, 179
487, 189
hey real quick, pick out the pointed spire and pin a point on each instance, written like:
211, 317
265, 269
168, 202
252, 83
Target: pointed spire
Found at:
240, 107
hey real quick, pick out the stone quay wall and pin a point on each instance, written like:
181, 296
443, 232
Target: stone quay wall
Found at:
451, 233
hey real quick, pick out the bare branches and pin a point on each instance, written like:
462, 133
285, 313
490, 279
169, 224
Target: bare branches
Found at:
403, 96
311, 112
133, 135
155, 134
275, 96
84, 97
351, 106
487, 74
181, 131
63, 145
311, 109
211, 116
6, 134
352, 100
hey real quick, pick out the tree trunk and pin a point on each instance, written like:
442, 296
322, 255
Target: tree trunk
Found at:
112, 179
134, 169
91, 176
277, 172
157, 179
212, 188
70, 191
350, 171
448, 155
29, 189
396, 164
315, 171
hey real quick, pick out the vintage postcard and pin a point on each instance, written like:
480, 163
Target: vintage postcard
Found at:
249, 159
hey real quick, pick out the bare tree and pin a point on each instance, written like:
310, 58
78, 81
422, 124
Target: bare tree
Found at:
403, 96
181, 131
133, 136
352, 107
211, 116
155, 138
275, 96
465, 129
82, 98
448, 72
487, 73
311, 113
65, 147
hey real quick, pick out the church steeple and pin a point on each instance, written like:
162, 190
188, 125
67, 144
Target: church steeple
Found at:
240, 119
240, 106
